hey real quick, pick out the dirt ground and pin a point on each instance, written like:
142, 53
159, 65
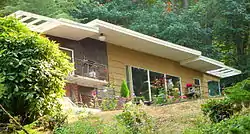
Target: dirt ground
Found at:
170, 119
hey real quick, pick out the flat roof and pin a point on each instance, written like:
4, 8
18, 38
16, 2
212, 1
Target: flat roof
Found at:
127, 38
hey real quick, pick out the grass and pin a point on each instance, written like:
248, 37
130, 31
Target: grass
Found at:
171, 119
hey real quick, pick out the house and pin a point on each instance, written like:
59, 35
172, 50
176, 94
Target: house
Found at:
105, 54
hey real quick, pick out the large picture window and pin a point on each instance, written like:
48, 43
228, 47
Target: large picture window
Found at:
173, 85
148, 84
157, 83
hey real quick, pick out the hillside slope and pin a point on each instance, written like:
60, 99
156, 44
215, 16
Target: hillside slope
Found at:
170, 119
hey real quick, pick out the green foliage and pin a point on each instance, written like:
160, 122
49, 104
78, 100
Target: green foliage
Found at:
218, 28
135, 119
31, 129
91, 125
235, 125
124, 90
109, 104
239, 93
52, 8
228, 21
236, 96
52, 122
218, 110
33, 72
161, 97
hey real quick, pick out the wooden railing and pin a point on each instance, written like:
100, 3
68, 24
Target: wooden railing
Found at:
91, 69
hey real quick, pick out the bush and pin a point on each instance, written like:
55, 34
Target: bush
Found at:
236, 97
124, 90
235, 125
51, 122
33, 71
135, 119
240, 93
218, 110
91, 125
109, 104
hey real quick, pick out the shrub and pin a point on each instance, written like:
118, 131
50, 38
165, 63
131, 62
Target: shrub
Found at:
51, 122
91, 125
240, 93
109, 104
33, 70
124, 90
237, 95
135, 119
235, 125
218, 110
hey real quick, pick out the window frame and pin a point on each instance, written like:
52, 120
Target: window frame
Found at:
72, 55
68, 49
130, 77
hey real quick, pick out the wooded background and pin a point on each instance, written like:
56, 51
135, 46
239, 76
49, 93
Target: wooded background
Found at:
218, 28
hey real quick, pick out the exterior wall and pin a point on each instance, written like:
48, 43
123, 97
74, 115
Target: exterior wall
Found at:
72, 91
119, 57
87, 48
90, 49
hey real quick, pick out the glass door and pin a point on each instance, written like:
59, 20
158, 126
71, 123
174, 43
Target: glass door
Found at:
213, 88
140, 83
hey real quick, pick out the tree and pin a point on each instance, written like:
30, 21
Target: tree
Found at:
137, 15
124, 90
51, 8
32, 70
228, 22
218, 28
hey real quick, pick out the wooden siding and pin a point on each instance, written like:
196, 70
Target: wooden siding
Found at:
119, 57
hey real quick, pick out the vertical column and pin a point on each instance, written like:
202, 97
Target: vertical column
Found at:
181, 90
219, 87
149, 87
130, 79
165, 84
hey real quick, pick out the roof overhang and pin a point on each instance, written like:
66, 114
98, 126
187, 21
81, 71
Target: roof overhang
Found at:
140, 42
210, 66
56, 27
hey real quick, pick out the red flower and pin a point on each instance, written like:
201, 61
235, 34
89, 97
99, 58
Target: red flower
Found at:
189, 85
93, 93
183, 97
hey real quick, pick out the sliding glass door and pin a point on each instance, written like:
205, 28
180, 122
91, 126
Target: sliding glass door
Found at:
157, 84
214, 88
140, 83
149, 84
173, 85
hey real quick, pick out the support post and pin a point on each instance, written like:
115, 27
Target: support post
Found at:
149, 87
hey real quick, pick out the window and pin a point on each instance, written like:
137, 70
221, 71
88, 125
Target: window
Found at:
157, 83
69, 52
197, 82
173, 85
197, 85
148, 84
140, 83
214, 88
